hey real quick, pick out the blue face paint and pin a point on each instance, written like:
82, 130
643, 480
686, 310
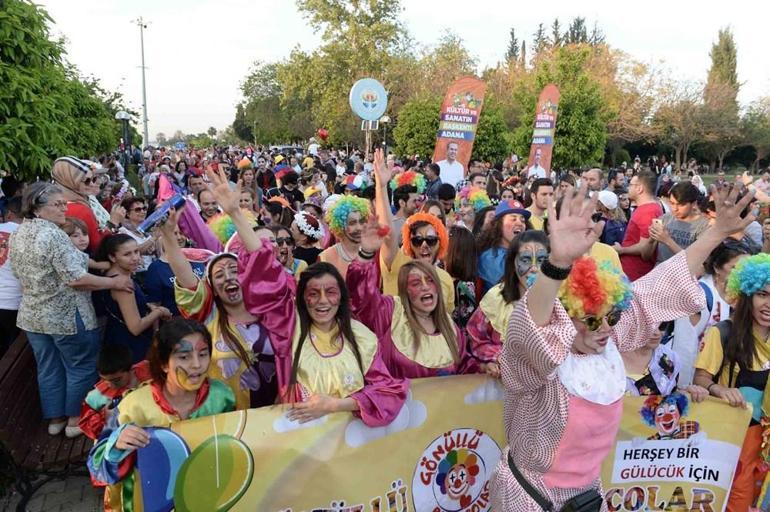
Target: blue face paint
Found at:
531, 280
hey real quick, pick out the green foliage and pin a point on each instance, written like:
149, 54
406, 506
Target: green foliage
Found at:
724, 59
46, 109
581, 126
415, 133
491, 143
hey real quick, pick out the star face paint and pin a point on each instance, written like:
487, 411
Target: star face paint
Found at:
189, 362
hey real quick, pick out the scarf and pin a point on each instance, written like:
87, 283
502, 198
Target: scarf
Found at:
69, 173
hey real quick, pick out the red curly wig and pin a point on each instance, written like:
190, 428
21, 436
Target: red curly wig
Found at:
435, 222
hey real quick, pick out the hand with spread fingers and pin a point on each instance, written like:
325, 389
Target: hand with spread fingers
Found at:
574, 232
728, 210
229, 199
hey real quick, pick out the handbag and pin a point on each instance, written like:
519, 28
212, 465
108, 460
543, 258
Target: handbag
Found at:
587, 501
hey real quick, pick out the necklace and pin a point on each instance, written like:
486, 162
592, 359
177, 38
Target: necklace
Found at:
347, 258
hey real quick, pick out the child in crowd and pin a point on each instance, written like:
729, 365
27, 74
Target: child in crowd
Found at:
77, 230
116, 378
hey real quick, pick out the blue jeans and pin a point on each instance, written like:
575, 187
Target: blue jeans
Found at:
66, 368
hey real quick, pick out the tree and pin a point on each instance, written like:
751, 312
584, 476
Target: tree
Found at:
556, 36
540, 40
512, 55
523, 54
720, 97
581, 126
597, 36
577, 33
491, 142
161, 139
415, 131
679, 119
211, 132
755, 127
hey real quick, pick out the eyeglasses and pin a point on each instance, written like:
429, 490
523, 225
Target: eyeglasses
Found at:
417, 241
593, 323
139, 209
284, 241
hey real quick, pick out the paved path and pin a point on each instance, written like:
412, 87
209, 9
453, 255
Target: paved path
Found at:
73, 494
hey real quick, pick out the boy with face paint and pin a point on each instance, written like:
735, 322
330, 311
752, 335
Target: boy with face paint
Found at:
487, 325
179, 390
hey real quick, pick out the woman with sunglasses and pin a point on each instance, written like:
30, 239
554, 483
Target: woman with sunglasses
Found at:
424, 238
136, 212
561, 365
487, 325
76, 178
325, 361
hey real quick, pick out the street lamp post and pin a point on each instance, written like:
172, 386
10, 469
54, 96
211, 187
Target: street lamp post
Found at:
385, 120
123, 117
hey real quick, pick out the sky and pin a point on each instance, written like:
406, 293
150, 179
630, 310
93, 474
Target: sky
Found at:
198, 51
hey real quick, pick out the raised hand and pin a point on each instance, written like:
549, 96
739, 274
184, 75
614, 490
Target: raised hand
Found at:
373, 235
574, 232
728, 212
380, 168
227, 198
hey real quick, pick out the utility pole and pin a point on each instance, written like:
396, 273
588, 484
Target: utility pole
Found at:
145, 135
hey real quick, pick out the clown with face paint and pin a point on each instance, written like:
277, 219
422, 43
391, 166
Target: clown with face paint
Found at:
180, 389
346, 219
242, 353
486, 328
325, 361
561, 366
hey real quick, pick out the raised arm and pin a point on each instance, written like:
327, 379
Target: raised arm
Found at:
229, 201
183, 271
382, 208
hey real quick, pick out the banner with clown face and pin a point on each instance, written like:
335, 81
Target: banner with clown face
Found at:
436, 456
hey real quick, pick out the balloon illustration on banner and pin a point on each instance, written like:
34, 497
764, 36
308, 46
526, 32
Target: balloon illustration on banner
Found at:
541, 151
158, 465
323, 133
368, 99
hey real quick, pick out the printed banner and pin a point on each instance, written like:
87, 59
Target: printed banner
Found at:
671, 454
436, 456
541, 151
458, 120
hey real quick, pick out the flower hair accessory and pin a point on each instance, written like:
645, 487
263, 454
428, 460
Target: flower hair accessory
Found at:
475, 196
415, 179
337, 214
749, 276
594, 288
309, 225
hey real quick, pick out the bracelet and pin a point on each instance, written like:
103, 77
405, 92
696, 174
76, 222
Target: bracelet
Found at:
553, 272
365, 255
708, 388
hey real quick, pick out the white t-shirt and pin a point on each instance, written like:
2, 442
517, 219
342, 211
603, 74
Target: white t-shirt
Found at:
537, 171
451, 172
313, 149
10, 289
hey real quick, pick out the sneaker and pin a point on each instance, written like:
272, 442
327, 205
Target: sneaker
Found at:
71, 432
55, 428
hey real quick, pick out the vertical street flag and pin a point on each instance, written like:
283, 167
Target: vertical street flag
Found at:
541, 151
458, 120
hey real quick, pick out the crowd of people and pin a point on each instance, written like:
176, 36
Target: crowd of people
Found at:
326, 280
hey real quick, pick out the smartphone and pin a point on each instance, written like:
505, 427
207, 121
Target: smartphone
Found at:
658, 222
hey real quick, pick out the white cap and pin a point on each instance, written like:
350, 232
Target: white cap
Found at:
608, 199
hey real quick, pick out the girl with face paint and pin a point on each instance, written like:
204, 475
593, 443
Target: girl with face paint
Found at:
487, 325
179, 390
325, 361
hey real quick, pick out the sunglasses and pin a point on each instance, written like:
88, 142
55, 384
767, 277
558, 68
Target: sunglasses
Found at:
593, 323
284, 241
417, 241
139, 209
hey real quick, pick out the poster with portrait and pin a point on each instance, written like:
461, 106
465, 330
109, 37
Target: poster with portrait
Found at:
541, 150
458, 121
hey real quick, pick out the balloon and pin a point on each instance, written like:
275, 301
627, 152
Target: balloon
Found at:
215, 475
158, 464
323, 133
